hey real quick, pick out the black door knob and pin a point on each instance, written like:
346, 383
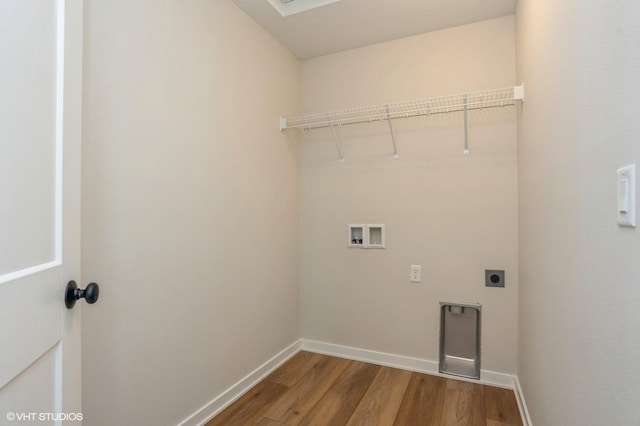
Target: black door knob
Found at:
73, 293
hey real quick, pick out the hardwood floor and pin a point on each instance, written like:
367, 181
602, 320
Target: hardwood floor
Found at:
316, 390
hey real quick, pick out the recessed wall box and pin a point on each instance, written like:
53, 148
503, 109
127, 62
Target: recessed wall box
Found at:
375, 235
365, 236
356, 236
460, 339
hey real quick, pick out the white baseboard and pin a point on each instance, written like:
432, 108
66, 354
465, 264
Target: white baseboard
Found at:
524, 412
403, 362
215, 406
373, 357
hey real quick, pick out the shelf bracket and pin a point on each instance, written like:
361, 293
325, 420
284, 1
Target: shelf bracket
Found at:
393, 139
465, 102
283, 123
335, 139
518, 93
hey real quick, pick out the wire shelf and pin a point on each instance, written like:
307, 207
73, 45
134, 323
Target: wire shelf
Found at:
415, 108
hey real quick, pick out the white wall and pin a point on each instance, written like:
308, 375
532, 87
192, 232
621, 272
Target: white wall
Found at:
190, 206
455, 215
578, 327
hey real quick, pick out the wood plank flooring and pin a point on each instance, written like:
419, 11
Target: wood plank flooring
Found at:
316, 390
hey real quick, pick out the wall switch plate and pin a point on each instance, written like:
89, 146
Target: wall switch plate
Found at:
415, 274
626, 209
494, 278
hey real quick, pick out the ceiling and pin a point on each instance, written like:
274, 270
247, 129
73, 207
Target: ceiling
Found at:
346, 24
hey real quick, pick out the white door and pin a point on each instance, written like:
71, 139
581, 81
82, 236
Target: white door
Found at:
40, 123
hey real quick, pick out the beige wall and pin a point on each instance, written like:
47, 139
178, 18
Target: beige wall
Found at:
453, 214
191, 203
190, 206
579, 292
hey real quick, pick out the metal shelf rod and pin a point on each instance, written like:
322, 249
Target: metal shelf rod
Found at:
337, 142
416, 108
428, 106
393, 139
466, 131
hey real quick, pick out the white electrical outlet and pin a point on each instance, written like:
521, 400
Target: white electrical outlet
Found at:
415, 274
